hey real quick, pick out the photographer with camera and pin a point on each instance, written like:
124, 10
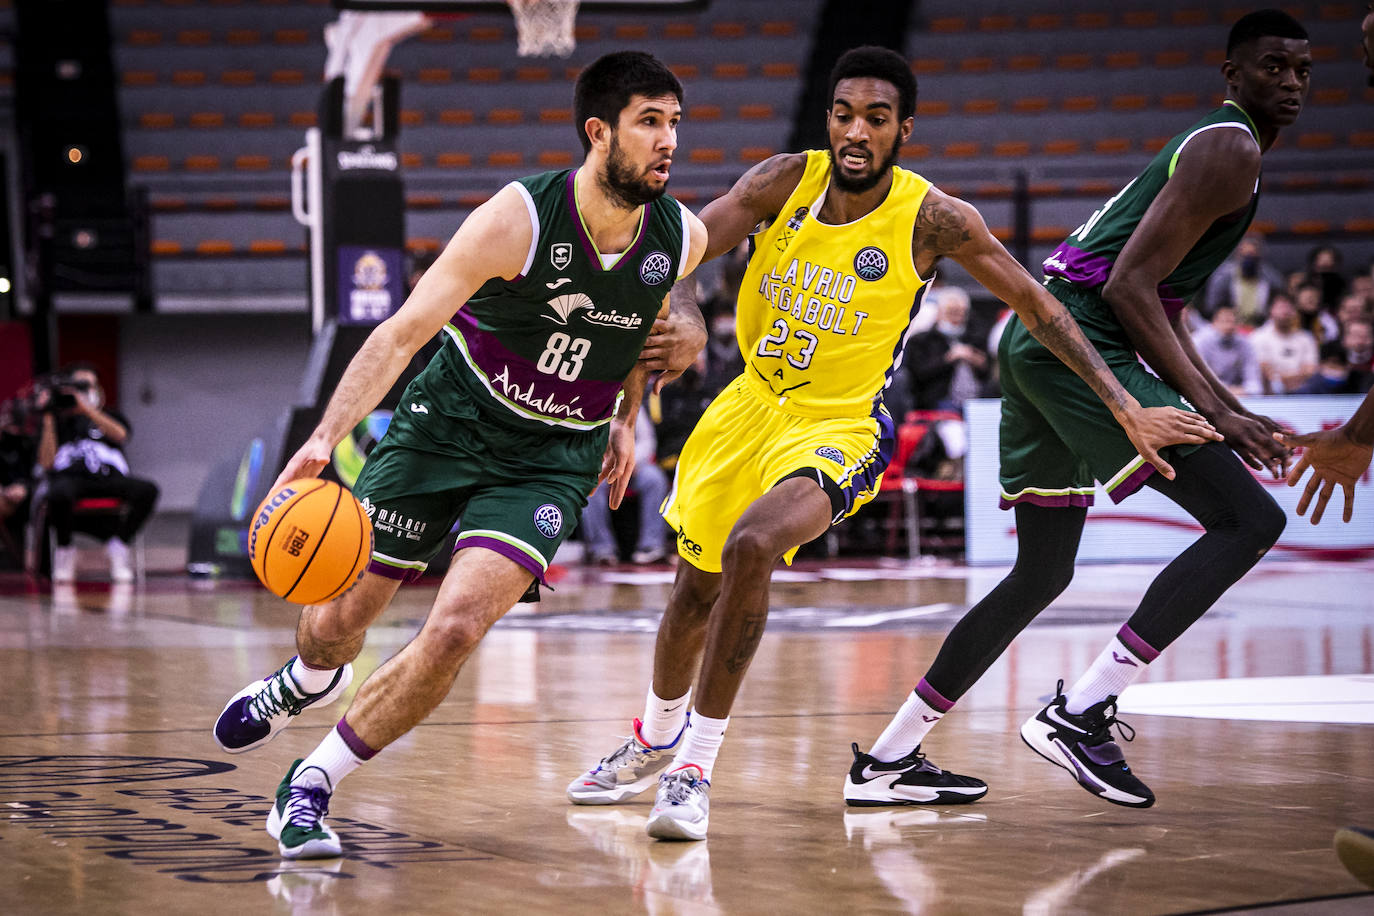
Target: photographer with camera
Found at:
16, 484
80, 449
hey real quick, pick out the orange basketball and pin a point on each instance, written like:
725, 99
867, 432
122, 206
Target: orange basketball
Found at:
310, 541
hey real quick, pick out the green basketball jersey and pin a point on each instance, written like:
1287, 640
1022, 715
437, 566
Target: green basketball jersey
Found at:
553, 346
1087, 256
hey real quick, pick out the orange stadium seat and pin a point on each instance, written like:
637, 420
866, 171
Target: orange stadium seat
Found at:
1173, 58
1044, 22
206, 119
412, 160
1073, 61
416, 200
257, 119
1331, 95
947, 24
1153, 145
998, 23
202, 162
267, 246
156, 120
706, 155
680, 30
487, 34
1197, 16
434, 75
250, 162
1338, 12
783, 69
1011, 149
756, 112
1362, 139
456, 117
931, 108
288, 77
962, 149
195, 38
1129, 102
411, 117
729, 30
272, 202
555, 115
1050, 235
554, 159
704, 113
220, 203
304, 119
778, 28
1079, 103
1140, 19
505, 158
505, 116
631, 31
1359, 225
436, 34
484, 75
918, 150
238, 78
1179, 101
291, 37
681, 71
730, 71
585, 31
533, 74
1092, 20
422, 244
145, 38
753, 154
1124, 60
165, 247
139, 78
923, 66
240, 37
1316, 140
1031, 104
188, 78
1111, 146
981, 106
1062, 147
1021, 63
214, 247
977, 65
1311, 227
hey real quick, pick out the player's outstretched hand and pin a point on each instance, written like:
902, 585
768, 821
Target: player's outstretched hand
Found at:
1334, 458
308, 461
1252, 438
673, 345
1152, 428
618, 463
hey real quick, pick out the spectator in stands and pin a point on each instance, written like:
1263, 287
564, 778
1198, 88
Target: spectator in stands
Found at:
1353, 307
1314, 316
650, 484
1362, 285
81, 452
1229, 354
1357, 342
1324, 271
1287, 353
16, 480
949, 363
1244, 282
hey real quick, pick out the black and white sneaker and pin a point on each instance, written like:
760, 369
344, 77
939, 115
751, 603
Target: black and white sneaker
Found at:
913, 780
1083, 745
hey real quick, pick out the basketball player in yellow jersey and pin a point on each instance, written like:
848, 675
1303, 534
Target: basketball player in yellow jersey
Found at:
841, 242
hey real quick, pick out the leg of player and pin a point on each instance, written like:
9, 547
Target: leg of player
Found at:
636, 764
328, 637
479, 588
1240, 523
791, 513
894, 771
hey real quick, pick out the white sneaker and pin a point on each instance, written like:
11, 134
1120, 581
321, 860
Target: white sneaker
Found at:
646, 555
64, 564
682, 809
118, 552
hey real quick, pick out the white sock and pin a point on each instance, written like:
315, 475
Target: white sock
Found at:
1112, 672
663, 719
907, 729
701, 744
334, 757
311, 680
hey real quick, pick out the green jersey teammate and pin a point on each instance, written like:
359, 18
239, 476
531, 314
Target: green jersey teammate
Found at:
547, 294
1125, 275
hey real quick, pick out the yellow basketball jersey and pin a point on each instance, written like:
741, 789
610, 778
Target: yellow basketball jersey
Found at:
824, 311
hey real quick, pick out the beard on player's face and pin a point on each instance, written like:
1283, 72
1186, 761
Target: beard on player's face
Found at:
869, 181
622, 183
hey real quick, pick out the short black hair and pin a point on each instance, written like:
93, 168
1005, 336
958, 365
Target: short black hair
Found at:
877, 63
1261, 24
607, 85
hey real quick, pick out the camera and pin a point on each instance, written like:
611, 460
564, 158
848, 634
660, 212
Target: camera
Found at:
62, 391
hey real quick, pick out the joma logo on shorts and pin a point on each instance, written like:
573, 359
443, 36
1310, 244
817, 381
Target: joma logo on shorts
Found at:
689, 545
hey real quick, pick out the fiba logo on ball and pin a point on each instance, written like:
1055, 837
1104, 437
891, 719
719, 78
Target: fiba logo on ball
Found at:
654, 268
548, 518
831, 453
870, 263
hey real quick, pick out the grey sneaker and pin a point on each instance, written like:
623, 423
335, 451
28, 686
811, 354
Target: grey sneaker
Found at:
296, 820
627, 771
682, 809
258, 712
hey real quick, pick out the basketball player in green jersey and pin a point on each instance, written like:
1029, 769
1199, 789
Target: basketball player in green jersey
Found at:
1125, 275
547, 294
841, 241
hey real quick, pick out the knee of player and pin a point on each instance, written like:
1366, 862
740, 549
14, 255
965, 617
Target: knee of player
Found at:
751, 546
1265, 521
453, 633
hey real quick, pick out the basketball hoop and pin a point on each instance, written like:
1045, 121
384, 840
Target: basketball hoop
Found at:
545, 27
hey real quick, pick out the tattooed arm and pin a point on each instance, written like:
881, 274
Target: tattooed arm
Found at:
756, 197
949, 227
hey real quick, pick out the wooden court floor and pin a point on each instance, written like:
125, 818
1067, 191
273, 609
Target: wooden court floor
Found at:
116, 800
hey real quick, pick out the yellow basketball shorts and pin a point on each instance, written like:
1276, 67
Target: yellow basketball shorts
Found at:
742, 447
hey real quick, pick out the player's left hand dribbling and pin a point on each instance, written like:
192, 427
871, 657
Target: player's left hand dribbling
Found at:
310, 459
